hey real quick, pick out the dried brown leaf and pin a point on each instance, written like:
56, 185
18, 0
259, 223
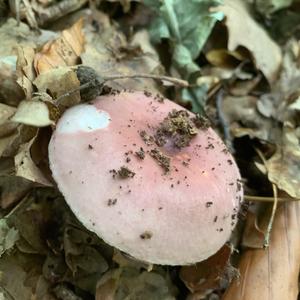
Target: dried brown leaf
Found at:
245, 31
244, 119
12, 279
22, 135
26, 168
116, 56
64, 51
6, 126
13, 189
272, 273
207, 275
283, 167
25, 70
130, 283
10, 92
57, 82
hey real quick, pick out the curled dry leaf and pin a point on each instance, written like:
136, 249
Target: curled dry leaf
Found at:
6, 126
13, 189
283, 166
57, 82
243, 111
34, 113
208, 274
10, 92
224, 58
115, 56
253, 236
244, 31
12, 279
272, 273
8, 236
25, 70
130, 283
64, 51
26, 168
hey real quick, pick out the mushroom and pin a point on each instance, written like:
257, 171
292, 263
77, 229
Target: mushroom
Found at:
147, 176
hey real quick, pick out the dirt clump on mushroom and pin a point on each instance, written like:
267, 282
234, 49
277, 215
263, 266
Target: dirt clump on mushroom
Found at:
122, 173
180, 127
162, 160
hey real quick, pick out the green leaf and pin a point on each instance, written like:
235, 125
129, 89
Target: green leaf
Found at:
8, 236
268, 7
186, 26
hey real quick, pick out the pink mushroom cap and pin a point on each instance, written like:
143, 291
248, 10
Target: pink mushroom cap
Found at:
178, 217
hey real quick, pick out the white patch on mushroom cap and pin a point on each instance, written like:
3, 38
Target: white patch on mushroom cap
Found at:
83, 117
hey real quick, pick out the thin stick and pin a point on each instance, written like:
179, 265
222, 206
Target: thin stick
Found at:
275, 203
71, 92
176, 81
268, 199
269, 228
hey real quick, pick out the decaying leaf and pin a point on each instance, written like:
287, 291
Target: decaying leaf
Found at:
13, 35
130, 283
243, 111
272, 273
268, 7
13, 189
186, 26
25, 71
8, 236
26, 168
34, 113
115, 56
207, 275
283, 166
244, 31
58, 82
10, 92
63, 51
6, 126
12, 279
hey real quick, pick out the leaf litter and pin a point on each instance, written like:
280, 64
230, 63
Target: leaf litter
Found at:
243, 75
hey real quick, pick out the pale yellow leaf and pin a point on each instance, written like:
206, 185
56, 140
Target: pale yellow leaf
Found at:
34, 113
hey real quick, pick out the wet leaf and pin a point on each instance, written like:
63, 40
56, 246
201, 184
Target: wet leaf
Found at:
244, 31
34, 113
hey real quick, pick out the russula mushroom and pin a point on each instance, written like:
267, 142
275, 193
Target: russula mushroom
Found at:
147, 176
